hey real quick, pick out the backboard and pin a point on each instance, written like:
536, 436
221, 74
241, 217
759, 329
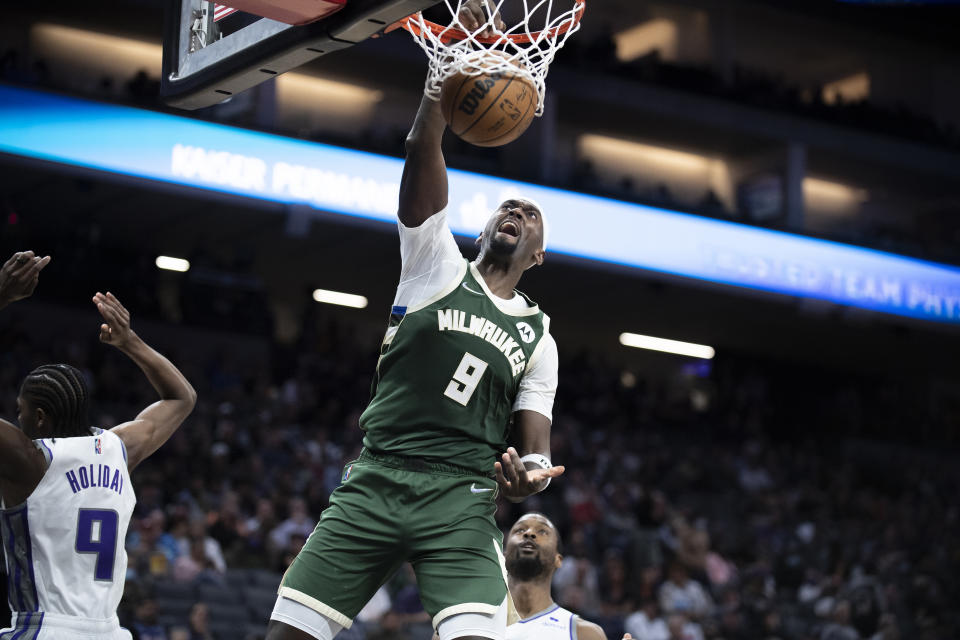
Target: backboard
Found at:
211, 52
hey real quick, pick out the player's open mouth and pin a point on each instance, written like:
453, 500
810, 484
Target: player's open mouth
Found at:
510, 228
528, 545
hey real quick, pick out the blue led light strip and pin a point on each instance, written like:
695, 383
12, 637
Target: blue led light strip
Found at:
211, 156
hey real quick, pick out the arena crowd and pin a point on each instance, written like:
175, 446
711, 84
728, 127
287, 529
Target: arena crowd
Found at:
743, 500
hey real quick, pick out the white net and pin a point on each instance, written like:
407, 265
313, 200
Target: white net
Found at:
527, 46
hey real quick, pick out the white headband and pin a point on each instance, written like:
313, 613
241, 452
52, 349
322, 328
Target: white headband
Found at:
543, 220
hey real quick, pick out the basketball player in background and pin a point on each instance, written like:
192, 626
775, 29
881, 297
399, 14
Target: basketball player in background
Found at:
533, 555
464, 357
65, 492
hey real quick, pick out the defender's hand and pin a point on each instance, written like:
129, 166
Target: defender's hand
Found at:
19, 276
516, 481
473, 15
116, 329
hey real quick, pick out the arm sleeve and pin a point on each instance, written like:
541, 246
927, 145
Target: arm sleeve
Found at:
429, 259
538, 387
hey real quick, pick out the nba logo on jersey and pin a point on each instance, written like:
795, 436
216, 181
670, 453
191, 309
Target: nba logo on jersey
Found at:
346, 474
97, 446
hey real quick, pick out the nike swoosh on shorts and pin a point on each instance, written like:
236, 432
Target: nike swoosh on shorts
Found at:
473, 489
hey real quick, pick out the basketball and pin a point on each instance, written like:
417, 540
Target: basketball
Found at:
489, 109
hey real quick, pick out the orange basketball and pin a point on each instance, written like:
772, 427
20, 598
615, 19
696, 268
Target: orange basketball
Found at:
490, 109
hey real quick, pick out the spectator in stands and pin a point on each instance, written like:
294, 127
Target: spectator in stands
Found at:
647, 624
226, 527
367, 624
681, 594
297, 522
576, 582
145, 625
198, 559
294, 544
824, 530
646, 549
616, 601
200, 622
151, 550
406, 619
258, 528
681, 628
839, 627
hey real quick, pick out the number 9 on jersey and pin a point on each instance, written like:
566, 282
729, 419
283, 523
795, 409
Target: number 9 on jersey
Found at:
465, 379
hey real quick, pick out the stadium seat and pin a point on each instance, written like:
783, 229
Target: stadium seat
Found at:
237, 576
174, 608
259, 601
167, 621
232, 629
165, 589
219, 594
222, 612
265, 578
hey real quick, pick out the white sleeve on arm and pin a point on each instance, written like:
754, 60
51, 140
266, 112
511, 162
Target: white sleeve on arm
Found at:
429, 259
538, 387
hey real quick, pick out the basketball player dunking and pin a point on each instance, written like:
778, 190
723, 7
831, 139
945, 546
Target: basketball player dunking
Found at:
464, 356
65, 492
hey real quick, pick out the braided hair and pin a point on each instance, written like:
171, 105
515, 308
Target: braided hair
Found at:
61, 391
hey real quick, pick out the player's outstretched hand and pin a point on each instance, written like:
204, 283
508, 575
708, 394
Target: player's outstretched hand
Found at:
19, 276
116, 329
473, 15
516, 482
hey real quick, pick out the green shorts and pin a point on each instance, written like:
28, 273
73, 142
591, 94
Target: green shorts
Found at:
389, 510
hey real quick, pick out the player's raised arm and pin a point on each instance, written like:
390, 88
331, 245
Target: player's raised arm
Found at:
155, 424
423, 187
21, 463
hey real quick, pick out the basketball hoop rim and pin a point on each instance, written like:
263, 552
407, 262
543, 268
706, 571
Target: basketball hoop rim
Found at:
448, 34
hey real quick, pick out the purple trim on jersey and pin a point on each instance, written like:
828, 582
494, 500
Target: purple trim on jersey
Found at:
7, 566
23, 627
29, 542
13, 579
23, 623
36, 633
539, 615
24, 582
573, 636
49, 452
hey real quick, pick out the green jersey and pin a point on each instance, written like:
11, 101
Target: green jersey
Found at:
449, 373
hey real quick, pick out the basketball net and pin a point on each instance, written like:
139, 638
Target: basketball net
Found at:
527, 47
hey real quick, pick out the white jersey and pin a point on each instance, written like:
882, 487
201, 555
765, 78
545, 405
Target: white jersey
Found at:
556, 623
64, 546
